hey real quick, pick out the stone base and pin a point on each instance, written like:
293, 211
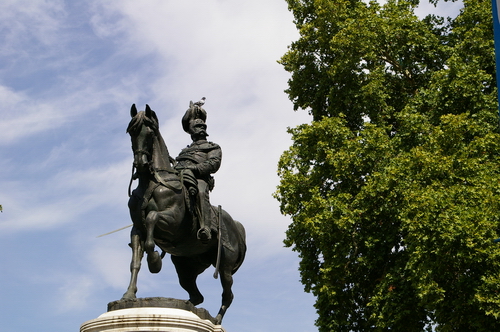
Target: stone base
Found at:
152, 314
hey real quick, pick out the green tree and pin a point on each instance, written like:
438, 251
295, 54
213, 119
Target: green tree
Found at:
394, 187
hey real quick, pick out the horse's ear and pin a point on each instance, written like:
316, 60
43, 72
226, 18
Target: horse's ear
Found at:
149, 111
153, 115
133, 110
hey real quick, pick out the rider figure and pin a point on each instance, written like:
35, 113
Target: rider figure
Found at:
197, 162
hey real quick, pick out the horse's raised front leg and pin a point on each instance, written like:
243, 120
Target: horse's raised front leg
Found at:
135, 265
154, 259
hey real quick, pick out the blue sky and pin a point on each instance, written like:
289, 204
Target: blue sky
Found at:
69, 72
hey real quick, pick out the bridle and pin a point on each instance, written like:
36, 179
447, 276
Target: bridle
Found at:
133, 176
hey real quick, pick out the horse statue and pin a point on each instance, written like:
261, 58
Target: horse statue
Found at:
159, 208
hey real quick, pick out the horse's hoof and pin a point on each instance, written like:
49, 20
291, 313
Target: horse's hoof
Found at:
128, 296
154, 262
196, 300
218, 319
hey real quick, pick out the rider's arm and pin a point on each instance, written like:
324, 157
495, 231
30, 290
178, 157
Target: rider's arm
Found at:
211, 164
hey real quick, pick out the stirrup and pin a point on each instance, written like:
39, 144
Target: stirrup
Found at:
204, 235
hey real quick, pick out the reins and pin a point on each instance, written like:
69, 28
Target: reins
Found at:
131, 180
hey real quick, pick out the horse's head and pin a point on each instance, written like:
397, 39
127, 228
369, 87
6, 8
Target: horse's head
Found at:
143, 129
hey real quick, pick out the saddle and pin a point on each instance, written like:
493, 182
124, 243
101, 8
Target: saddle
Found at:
169, 179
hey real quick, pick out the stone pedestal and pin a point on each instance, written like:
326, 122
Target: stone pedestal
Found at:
152, 314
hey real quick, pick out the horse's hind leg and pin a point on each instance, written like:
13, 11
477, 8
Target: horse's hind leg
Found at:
226, 279
135, 265
188, 270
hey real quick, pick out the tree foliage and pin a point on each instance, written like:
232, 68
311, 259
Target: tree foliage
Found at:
394, 187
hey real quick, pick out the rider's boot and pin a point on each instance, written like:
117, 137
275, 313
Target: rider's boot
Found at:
204, 234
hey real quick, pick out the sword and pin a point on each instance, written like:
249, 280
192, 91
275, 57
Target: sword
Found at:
116, 230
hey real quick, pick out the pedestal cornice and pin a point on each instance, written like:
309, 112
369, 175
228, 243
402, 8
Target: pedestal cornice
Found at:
152, 314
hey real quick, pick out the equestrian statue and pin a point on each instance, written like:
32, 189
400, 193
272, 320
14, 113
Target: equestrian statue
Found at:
171, 210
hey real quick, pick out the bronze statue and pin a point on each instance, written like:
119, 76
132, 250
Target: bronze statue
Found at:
168, 214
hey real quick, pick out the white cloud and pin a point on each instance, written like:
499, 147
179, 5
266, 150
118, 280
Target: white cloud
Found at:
204, 47
29, 22
62, 198
74, 293
109, 258
23, 116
